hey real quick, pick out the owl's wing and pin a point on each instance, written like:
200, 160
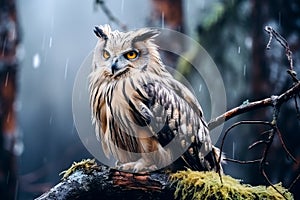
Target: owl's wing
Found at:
187, 95
173, 114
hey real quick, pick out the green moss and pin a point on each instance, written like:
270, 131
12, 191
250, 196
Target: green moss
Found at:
87, 165
207, 185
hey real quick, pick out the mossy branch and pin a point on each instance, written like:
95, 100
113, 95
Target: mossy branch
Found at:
207, 185
87, 180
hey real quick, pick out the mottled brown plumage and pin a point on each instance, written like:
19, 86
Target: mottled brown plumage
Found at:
142, 115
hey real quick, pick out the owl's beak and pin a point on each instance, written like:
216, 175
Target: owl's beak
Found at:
115, 66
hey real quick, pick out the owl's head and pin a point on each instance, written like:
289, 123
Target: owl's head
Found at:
118, 53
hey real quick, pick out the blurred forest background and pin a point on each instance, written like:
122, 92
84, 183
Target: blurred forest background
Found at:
49, 40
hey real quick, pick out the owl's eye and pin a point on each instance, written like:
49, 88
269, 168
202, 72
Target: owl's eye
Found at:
131, 55
105, 54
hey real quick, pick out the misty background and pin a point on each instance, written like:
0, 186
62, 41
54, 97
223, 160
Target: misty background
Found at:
56, 38
58, 35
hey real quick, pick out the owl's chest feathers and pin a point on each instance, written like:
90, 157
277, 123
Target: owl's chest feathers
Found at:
125, 95
124, 100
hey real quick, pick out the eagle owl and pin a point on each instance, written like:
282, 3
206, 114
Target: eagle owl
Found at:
143, 117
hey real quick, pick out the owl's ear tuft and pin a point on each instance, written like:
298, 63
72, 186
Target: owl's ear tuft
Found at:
102, 31
146, 34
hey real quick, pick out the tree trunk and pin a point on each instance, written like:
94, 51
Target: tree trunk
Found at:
9, 39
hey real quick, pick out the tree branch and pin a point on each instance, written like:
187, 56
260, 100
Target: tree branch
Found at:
290, 93
101, 182
271, 101
87, 180
110, 15
275, 102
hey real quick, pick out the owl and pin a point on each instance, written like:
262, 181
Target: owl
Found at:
143, 117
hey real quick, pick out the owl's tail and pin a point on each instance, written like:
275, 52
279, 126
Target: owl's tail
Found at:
199, 162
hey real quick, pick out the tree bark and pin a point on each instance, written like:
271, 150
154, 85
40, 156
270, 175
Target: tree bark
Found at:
87, 180
107, 183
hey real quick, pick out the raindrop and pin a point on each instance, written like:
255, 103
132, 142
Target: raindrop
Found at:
187, 7
13, 35
50, 120
239, 50
8, 117
73, 128
7, 177
4, 46
162, 20
16, 187
18, 105
200, 87
20, 54
234, 93
36, 60
122, 6
233, 150
6, 79
50, 42
248, 42
245, 67
19, 145
66, 68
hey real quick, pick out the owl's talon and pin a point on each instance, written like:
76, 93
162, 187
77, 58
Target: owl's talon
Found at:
118, 168
152, 168
117, 164
136, 167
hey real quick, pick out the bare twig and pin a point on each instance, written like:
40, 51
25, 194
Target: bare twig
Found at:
294, 182
243, 161
268, 101
275, 102
283, 144
256, 143
109, 14
263, 161
267, 142
237, 124
270, 183
296, 106
283, 43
